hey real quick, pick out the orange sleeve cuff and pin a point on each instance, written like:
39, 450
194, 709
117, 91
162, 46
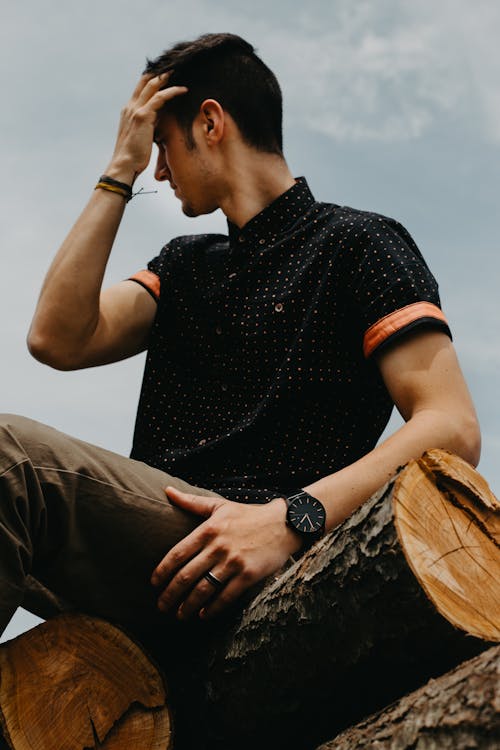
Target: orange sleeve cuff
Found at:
149, 281
390, 324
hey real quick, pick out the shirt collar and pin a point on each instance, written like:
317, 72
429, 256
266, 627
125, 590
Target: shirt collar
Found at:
274, 219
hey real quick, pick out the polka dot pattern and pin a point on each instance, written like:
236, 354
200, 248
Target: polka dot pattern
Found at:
255, 381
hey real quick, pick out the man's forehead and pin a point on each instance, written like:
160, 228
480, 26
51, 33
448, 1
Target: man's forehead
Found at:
164, 121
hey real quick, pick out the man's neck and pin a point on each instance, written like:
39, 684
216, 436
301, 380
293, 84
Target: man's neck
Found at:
256, 181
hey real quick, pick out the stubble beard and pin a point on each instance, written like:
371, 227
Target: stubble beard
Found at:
189, 210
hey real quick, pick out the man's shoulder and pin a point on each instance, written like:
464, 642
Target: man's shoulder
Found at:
349, 216
356, 228
196, 242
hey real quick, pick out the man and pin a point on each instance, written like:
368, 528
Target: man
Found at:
275, 355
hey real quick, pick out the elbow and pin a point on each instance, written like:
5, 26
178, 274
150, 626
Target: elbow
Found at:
468, 439
43, 350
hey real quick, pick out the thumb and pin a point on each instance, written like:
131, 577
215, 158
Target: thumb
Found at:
199, 504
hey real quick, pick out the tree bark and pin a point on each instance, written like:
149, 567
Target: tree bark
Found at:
458, 711
370, 613
78, 682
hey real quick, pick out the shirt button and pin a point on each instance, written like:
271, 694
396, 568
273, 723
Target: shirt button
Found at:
241, 238
218, 330
278, 307
262, 241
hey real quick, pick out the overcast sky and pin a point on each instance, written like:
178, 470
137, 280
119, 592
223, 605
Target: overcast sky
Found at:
390, 105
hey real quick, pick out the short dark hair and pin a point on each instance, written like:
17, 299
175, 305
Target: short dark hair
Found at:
225, 67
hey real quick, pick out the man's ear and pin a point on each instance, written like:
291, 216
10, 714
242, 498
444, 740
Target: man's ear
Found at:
212, 120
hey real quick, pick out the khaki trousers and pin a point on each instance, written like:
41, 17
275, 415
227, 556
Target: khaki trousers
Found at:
81, 527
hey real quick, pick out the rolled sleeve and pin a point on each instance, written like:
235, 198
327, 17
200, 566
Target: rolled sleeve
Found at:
149, 280
392, 288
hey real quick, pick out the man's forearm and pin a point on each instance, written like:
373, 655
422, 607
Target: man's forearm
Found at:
68, 309
345, 490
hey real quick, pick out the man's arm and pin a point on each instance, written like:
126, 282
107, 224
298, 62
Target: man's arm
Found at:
424, 379
241, 544
74, 324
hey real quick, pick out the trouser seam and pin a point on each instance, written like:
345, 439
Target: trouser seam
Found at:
118, 487
24, 461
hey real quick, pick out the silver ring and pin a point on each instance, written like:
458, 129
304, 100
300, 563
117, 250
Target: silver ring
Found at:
213, 580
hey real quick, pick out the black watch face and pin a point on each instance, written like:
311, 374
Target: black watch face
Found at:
306, 514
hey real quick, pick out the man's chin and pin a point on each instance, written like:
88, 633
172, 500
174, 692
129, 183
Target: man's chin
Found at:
189, 210
192, 211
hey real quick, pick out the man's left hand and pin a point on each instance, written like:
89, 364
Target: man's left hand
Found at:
239, 544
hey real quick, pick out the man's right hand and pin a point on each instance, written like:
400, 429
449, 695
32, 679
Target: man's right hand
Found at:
137, 124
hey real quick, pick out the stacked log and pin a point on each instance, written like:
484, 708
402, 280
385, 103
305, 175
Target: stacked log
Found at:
403, 591
458, 711
79, 682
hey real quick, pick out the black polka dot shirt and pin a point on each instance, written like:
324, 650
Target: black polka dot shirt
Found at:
259, 376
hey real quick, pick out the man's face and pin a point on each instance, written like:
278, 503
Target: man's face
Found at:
185, 168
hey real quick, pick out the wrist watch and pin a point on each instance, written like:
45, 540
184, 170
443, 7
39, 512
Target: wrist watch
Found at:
306, 515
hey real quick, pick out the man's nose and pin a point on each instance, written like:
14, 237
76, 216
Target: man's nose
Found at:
162, 171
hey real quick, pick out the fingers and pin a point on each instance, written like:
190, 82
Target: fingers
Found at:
199, 504
228, 595
149, 79
206, 594
161, 97
178, 556
190, 586
194, 542
143, 80
151, 89
196, 595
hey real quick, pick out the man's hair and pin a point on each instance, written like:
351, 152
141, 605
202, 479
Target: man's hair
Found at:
224, 67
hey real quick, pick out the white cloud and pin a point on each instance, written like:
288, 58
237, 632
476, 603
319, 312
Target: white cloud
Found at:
479, 26
387, 71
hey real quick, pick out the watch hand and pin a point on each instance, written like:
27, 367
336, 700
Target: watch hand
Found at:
310, 522
306, 515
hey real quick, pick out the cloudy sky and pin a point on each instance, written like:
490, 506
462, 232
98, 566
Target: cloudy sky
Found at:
390, 105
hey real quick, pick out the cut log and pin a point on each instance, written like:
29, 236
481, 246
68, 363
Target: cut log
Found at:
458, 711
451, 540
376, 608
78, 682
